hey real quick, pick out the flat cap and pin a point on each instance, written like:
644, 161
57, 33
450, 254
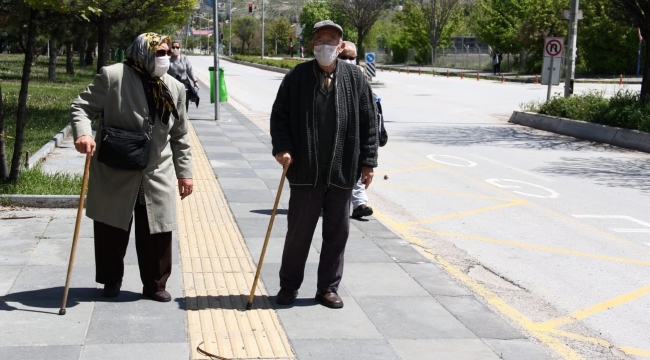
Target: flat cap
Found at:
327, 23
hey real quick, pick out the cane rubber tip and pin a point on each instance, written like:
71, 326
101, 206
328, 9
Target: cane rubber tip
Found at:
62, 312
249, 306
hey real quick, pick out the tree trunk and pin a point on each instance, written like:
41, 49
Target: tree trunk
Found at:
14, 174
51, 69
83, 44
102, 43
645, 83
69, 58
361, 54
4, 172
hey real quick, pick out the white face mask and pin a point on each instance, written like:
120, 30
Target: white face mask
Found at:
325, 54
162, 65
176, 51
350, 61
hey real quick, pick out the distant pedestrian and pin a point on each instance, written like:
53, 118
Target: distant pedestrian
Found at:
181, 69
496, 62
302, 51
324, 134
134, 100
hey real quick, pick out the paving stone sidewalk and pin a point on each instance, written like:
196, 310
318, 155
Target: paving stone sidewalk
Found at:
398, 305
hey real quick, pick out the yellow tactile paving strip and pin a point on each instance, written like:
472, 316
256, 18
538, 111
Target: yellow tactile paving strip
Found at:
218, 273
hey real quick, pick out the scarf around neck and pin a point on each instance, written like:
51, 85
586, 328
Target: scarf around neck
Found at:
140, 57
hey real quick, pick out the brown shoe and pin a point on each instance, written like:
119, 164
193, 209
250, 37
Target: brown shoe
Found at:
160, 296
330, 299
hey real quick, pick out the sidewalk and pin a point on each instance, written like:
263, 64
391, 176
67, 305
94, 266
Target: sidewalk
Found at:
398, 305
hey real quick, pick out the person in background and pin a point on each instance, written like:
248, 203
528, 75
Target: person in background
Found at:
180, 69
132, 96
496, 62
359, 197
323, 132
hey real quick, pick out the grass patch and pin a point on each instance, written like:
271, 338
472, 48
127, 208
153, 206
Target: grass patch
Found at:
35, 182
48, 111
286, 63
623, 110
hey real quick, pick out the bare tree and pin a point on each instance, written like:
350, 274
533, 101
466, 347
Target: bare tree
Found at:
637, 14
437, 13
360, 14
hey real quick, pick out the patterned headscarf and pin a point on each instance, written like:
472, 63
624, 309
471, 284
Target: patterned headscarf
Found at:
140, 56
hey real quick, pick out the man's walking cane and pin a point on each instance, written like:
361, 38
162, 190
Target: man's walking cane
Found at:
82, 196
266, 242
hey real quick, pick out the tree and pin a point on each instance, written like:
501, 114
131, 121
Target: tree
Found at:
245, 29
414, 33
438, 14
498, 23
637, 14
279, 30
313, 12
155, 13
360, 14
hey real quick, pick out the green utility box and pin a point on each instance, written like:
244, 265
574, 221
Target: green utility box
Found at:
223, 91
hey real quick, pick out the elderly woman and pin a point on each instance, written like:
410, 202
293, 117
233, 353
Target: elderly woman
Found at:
136, 97
181, 69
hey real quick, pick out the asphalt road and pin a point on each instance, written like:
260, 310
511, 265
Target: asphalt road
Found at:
554, 233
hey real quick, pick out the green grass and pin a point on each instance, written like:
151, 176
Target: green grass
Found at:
286, 63
48, 111
623, 110
34, 182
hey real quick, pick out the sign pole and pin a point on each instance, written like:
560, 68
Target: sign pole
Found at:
571, 51
550, 79
262, 29
216, 60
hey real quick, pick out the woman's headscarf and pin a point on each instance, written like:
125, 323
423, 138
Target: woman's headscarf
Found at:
141, 57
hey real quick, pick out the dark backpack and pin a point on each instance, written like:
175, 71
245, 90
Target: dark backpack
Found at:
383, 135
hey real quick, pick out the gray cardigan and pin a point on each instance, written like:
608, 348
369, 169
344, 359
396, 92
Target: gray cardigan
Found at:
180, 69
294, 126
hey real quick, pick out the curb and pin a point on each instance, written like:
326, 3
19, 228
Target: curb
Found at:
625, 138
41, 201
43, 152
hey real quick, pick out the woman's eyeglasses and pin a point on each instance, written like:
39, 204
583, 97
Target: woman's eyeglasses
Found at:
347, 58
162, 52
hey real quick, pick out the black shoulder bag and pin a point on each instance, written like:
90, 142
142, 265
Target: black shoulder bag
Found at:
125, 149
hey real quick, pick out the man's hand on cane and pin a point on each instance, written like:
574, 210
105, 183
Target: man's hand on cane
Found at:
85, 144
284, 158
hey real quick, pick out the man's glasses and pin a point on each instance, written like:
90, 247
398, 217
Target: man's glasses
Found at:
347, 58
176, 47
326, 42
162, 52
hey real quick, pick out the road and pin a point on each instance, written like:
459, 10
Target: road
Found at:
554, 233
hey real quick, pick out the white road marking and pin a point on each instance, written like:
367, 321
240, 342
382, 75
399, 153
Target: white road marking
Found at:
623, 217
526, 172
433, 157
552, 193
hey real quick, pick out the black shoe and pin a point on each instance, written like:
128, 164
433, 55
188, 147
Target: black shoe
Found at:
361, 211
329, 299
286, 297
112, 290
160, 296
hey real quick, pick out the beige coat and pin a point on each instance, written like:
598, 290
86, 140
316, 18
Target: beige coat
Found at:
112, 193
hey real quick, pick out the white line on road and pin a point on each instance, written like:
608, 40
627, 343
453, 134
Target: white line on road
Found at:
623, 217
433, 157
526, 172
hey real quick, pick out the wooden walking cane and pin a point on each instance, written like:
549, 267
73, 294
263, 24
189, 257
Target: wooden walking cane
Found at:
75, 237
266, 242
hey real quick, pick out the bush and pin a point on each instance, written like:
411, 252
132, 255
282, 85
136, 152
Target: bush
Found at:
285, 63
623, 110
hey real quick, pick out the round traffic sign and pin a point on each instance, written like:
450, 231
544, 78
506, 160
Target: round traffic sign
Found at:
209, 3
554, 47
370, 57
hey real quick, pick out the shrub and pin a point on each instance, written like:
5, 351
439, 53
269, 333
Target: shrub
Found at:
624, 109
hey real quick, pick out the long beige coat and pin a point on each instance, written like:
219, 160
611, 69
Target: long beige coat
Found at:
112, 193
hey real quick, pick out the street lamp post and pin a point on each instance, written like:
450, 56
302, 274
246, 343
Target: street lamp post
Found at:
229, 28
216, 60
262, 29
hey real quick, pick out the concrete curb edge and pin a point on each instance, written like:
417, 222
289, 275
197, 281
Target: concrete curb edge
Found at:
41, 201
625, 138
43, 152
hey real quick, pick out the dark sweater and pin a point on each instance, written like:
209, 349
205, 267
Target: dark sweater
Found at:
295, 128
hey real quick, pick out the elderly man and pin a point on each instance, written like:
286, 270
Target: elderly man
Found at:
323, 128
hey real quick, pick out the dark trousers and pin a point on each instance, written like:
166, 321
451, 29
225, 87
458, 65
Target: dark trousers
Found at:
305, 206
497, 68
154, 252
